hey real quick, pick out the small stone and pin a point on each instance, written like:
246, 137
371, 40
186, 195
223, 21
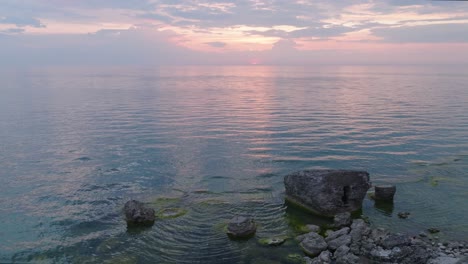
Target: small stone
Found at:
422, 234
341, 251
403, 215
342, 220
394, 240
378, 234
241, 227
339, 241
433, 230
331, 235
348, 259
313, 244
137, 214
324, 257
312, 228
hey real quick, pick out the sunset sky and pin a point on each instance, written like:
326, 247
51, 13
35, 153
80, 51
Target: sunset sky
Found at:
171, 32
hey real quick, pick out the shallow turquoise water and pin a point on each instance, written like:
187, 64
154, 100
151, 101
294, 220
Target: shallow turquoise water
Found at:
76, 143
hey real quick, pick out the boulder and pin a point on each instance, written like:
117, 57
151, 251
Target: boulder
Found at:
241, 227
385, 192
137, 214
327, 192
313, 244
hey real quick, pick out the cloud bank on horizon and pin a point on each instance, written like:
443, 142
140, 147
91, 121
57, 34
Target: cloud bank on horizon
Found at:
233, 32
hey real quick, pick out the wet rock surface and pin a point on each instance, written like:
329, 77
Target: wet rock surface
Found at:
327, 192
241, 227
137, 214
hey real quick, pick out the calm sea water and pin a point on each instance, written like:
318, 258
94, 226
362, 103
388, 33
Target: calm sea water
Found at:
77, 143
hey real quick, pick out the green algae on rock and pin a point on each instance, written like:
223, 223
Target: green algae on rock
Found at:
170, 213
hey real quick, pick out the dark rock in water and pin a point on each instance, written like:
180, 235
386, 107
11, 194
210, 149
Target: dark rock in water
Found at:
241, 227
327, 192
137, 214
385, 192
312, 244
403, 215
341, 220
433, 230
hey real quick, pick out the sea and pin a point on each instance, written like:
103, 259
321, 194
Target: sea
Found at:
202, 144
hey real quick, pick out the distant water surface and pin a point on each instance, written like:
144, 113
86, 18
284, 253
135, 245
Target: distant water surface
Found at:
77, 143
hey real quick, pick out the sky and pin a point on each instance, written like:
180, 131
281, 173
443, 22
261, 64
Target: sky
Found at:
243, 32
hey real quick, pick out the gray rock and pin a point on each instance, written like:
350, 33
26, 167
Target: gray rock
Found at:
241, 227
380, 254
403, 215
323, 258
327, 192
348, 259
378, 234
385, 192
444, 260
339, 241
342, 219
312, 228
394, 240
341, 251
137, 214
418, 255
331, 235
313, 244
359, 228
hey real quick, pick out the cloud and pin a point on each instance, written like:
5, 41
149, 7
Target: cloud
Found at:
439, 33
172, 31
216, 44
21, 21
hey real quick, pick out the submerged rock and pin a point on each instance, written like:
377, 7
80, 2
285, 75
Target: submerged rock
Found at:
327, 192
137, 214
171, 213
272, 241
403, 215
241, 227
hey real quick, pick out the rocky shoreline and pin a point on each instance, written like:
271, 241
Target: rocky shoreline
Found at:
360, 243
345, 241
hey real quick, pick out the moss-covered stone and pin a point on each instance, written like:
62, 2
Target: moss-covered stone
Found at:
170, 213
272, 241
